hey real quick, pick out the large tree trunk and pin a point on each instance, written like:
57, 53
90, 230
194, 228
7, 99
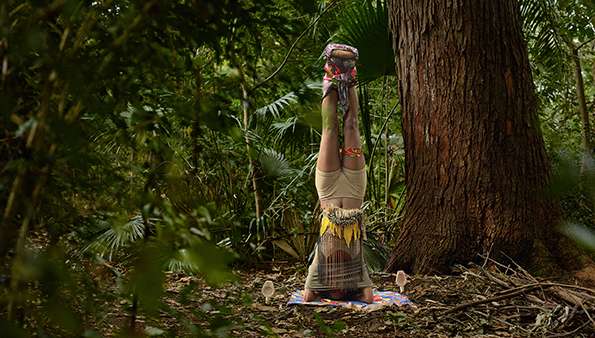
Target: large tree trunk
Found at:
476, 166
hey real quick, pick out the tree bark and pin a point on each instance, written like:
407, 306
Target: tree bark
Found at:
476, 166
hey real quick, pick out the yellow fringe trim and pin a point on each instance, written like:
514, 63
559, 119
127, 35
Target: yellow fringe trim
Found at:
348, 232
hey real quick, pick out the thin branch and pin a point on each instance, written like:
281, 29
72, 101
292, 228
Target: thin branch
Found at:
587, 313
513, 292
584, 44
331, 5
564, 334
491, 299
502, 321
381, 129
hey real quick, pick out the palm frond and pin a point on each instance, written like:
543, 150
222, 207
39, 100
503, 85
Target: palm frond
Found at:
274, 164
253, 137
118, 237
182, 261
375, 253
291, 134
276, 107
283, 127
544, 32
364, 24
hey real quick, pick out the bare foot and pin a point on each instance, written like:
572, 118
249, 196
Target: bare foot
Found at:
366, 296
309, 295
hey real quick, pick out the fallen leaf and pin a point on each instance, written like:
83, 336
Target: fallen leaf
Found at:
261, 307
279, 330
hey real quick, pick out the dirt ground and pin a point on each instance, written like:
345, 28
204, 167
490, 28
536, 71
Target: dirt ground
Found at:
238, 309
478, 300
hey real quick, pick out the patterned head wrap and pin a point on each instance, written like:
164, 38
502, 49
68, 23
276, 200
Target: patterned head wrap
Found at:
340, 72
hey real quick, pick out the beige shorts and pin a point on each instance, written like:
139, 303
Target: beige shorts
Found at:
341, 183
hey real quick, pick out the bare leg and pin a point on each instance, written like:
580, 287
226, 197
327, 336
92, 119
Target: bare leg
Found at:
310, 295
328, 156
352, 140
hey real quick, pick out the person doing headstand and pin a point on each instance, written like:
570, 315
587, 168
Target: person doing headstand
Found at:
339, 270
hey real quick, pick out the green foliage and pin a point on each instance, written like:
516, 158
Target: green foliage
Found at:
117, 116
554, 29
399, 319
329, 330
557, 33
364, 24
124, 144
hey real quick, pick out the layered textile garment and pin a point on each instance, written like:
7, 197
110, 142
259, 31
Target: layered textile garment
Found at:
340, 73
338, 259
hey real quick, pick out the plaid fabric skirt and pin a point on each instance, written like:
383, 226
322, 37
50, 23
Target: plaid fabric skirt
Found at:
338, 262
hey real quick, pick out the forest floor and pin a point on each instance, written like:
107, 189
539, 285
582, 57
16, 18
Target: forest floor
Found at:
479, 300
504, 303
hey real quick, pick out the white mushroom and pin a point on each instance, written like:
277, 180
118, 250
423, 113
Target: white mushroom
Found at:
268, 289
401, 280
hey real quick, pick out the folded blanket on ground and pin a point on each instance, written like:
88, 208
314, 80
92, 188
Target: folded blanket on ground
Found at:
381, 299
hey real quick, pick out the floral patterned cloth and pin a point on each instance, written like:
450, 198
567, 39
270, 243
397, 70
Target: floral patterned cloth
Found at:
340, 73
381, 298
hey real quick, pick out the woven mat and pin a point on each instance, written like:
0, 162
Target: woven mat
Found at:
381, 299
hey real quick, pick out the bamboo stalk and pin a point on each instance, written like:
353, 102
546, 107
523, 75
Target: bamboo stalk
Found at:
251, 161
582, 104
